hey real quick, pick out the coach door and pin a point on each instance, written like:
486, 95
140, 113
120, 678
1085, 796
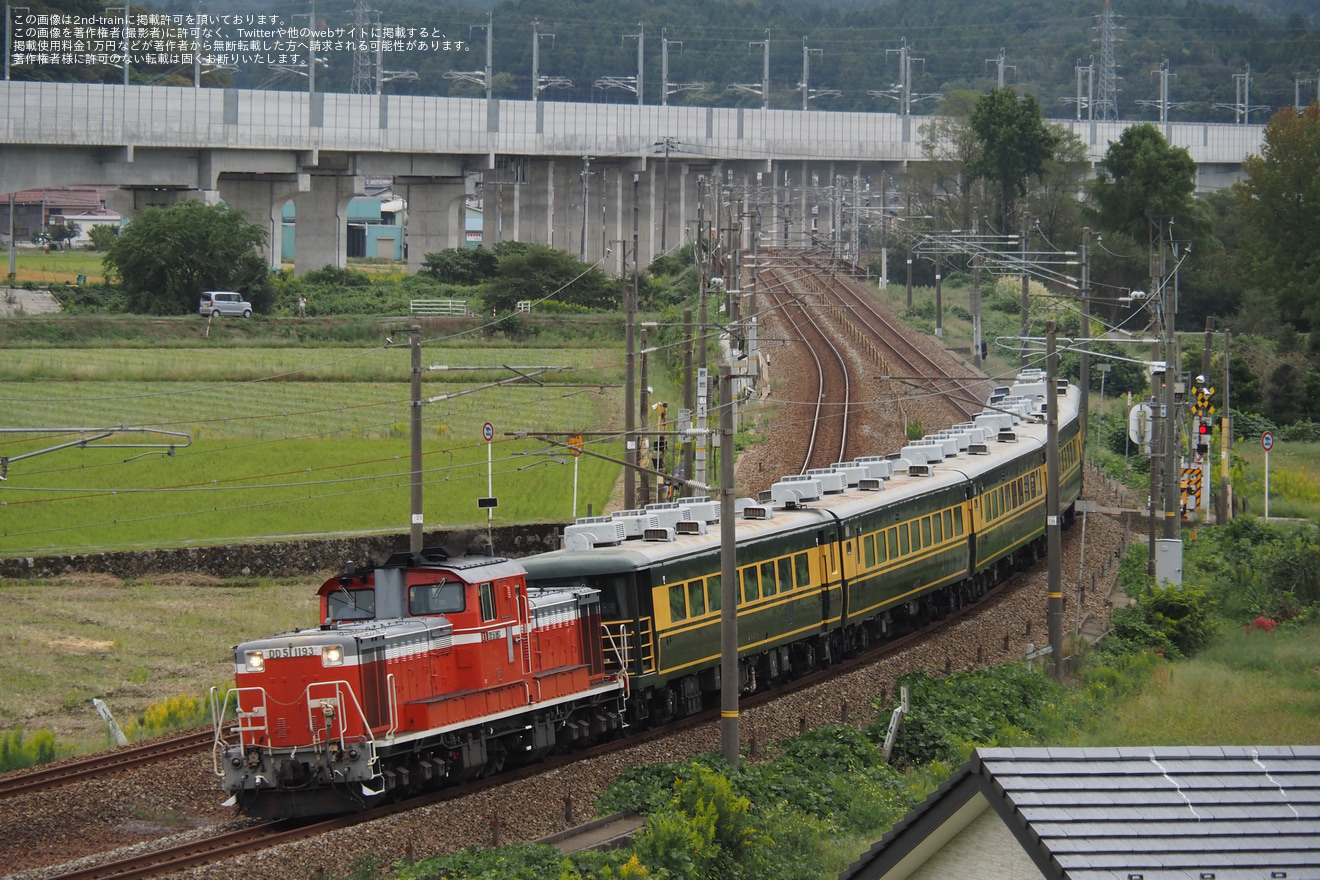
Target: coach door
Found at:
827, 563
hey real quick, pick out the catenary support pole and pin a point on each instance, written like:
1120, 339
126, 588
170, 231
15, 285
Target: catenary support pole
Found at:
729, 678
415, 492
1054, 541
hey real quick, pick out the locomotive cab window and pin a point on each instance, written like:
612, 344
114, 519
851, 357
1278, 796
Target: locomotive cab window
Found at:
445, 597
351, 605
487, 592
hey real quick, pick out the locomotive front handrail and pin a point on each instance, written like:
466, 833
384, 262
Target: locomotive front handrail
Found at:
339, 686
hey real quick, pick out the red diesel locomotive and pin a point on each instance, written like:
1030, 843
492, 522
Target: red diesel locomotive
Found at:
429, 669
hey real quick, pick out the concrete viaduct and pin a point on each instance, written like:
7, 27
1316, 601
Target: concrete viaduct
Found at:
256, 149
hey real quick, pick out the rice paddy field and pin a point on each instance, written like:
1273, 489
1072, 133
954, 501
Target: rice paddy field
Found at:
232, 444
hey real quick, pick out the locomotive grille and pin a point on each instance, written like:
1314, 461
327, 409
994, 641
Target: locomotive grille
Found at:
281, 728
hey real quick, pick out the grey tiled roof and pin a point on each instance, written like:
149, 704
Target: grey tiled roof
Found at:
1154, 813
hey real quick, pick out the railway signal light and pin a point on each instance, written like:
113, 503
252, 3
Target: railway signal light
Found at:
1202, 437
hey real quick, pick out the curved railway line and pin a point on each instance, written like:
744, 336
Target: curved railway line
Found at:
106, 763
881, 338
827, 439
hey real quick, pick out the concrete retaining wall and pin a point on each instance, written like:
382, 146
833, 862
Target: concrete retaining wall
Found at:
297, 558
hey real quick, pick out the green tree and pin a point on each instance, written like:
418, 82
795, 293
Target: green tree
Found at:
536, 272
1280, 202
1142, 182
62, 233
165, 258
1015, 145
103, 236
466, 266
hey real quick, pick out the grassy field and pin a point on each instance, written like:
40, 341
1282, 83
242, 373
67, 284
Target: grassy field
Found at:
129, 644
56, 267
1294, 478
1244, 689
287, 440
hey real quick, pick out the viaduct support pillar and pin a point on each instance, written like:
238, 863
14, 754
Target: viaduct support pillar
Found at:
436, 216
262, 202
320, 231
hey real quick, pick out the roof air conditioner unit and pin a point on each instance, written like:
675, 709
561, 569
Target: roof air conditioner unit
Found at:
832, 482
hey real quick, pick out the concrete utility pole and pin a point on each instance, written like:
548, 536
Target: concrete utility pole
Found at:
1172, 448
689, 390
975, 299
806, 70
640, 37
729, 677
630, 358
1225, 445
765, 68
1086, 332
1053, 536
643, 410
536, 58
1026, 294
415, 492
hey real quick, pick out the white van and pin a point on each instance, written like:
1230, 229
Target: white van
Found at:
224, 302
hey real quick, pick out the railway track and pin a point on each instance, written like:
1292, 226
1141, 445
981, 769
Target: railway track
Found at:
105, 763
886, 341
264, 835
826, 441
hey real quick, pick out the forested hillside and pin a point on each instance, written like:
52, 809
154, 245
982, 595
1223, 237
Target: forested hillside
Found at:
1043, 41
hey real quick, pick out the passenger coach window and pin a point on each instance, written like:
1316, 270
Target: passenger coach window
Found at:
697, 597
677, 606
441, 598
903, 545
937, 523
802, 570
785, 575
925, 531
957, 522
714, 597
868, 550
487, 591
767, 578
892, 541
751, 590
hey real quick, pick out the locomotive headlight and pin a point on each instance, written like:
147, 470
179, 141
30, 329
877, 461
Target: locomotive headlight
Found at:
256, 662
332, 655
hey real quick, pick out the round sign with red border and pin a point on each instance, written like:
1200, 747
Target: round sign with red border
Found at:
1267, 441
488, 431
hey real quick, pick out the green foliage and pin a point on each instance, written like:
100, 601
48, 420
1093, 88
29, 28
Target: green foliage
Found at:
17, 752
523, 861
914, 430
1141, 182
707, 830
1015, 144
1004, 705
103, 236
166, 716
1174, 621
167, 256
1280, 203
333, 276
1253, 569
672, 264
463, 266
538, 272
